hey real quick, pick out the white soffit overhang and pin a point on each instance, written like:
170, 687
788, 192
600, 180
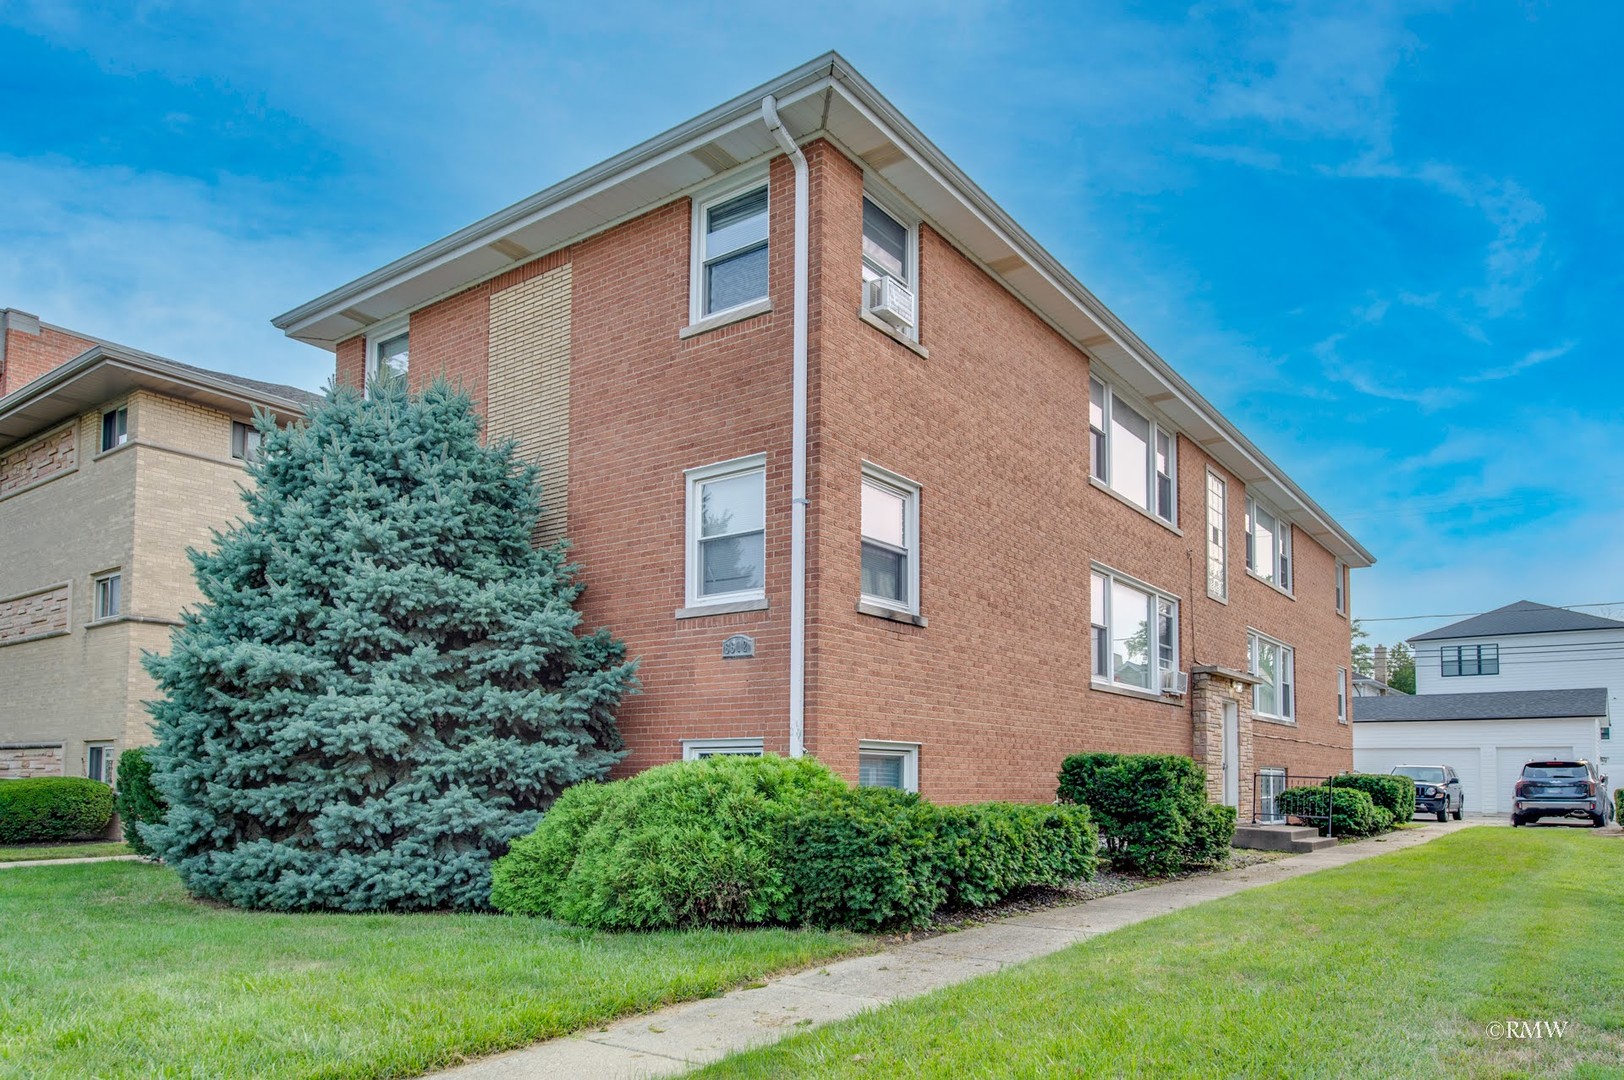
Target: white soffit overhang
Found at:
825, 98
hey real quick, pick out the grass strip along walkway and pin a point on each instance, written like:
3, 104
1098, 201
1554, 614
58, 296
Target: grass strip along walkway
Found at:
1411, 964
96, 849
112, 970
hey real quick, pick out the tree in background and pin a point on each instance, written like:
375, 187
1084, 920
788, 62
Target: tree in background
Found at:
384, 682
1401, 668
1363, 661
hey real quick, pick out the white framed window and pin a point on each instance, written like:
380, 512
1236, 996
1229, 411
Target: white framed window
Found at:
1130, 453
99, 761
699, 749
244, 441
1271, 781
1274, 664
730, 251
389, 347
1217, 537
1341, 587
109, 595
1135, 632
1268, 544
890, 250
727, 531
115, 428
890, 540
888, 764
1342, 695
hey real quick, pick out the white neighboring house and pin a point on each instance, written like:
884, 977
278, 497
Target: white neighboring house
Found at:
1499, 689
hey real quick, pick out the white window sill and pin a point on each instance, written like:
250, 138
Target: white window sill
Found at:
726, 318
1260, 579
1221, 599
1096, 482
1282, 721
1134, 692
880, 611
893, 333
731, 607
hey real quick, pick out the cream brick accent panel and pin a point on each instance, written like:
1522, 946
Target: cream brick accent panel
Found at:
40, 460
529, 389
23, 618
22, 762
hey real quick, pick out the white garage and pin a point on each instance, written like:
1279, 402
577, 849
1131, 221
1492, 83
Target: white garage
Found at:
1486, 737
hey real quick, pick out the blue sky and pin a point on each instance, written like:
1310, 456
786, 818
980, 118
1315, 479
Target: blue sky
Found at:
1383, 238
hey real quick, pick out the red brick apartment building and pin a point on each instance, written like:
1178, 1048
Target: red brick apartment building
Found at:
1022, 533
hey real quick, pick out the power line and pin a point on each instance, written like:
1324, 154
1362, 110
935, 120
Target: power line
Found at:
1473, 614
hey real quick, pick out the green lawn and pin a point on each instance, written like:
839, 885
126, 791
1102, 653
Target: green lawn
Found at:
39, 852
111, 970
1396, 966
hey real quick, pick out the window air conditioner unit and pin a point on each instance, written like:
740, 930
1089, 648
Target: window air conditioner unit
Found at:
1175, 682
889, 299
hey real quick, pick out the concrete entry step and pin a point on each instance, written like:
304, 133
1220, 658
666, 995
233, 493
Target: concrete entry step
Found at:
1293, 838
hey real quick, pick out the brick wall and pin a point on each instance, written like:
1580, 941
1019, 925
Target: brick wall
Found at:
23, 762
529, 385
33, 349
50, 455
35, 615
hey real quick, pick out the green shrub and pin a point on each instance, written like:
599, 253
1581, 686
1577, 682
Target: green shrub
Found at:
139, 803
865, 859
1151, 809
52, 808
1394, 793
1351, 811
688, 844
992, 850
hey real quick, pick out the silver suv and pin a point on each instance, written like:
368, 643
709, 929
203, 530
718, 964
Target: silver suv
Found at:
1561, 789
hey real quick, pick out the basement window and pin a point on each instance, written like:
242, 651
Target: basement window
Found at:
699, 749
889, 765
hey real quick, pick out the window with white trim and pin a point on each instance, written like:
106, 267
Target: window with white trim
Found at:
699, 749
388, 351
888, 764
115, 428
727, 531
1135, 632
730, 250
109, 595
1341, 587
244, 441
890, 540
1271, 781
1342, 695
1131, 454
890, 250
1273, 663
1268, 544
1217, 537
99, 761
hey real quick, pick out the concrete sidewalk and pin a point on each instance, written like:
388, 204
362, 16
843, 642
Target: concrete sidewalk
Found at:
66, 862
684, 1036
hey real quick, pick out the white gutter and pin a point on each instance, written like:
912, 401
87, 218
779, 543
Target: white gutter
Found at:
798, 503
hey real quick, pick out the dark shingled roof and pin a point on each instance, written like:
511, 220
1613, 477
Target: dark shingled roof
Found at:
292, 393
1495, 705
1523, 617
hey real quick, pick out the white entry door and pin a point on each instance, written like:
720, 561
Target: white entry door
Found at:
1232, 754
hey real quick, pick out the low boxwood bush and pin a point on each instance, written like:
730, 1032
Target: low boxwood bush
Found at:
1152, 809
1345, 811
138, 801
733, 841
1395, 794
865, 859
46, 809
693, 843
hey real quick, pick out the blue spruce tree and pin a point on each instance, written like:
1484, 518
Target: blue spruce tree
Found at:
384, 682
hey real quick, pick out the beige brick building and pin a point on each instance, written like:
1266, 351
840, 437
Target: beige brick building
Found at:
112, 463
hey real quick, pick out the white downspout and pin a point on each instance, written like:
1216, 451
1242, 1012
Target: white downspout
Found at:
798, 502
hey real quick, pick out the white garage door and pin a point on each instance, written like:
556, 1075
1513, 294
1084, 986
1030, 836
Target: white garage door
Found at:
1466, 760
1511, 759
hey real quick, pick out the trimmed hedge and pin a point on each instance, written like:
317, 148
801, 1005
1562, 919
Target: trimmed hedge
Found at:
1395, 794
693, 843
1351, 812
1151, 808
46, 809
734, 841
139, 803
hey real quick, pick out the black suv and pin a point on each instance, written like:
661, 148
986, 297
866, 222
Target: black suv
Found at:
1437, 789
1561, 789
